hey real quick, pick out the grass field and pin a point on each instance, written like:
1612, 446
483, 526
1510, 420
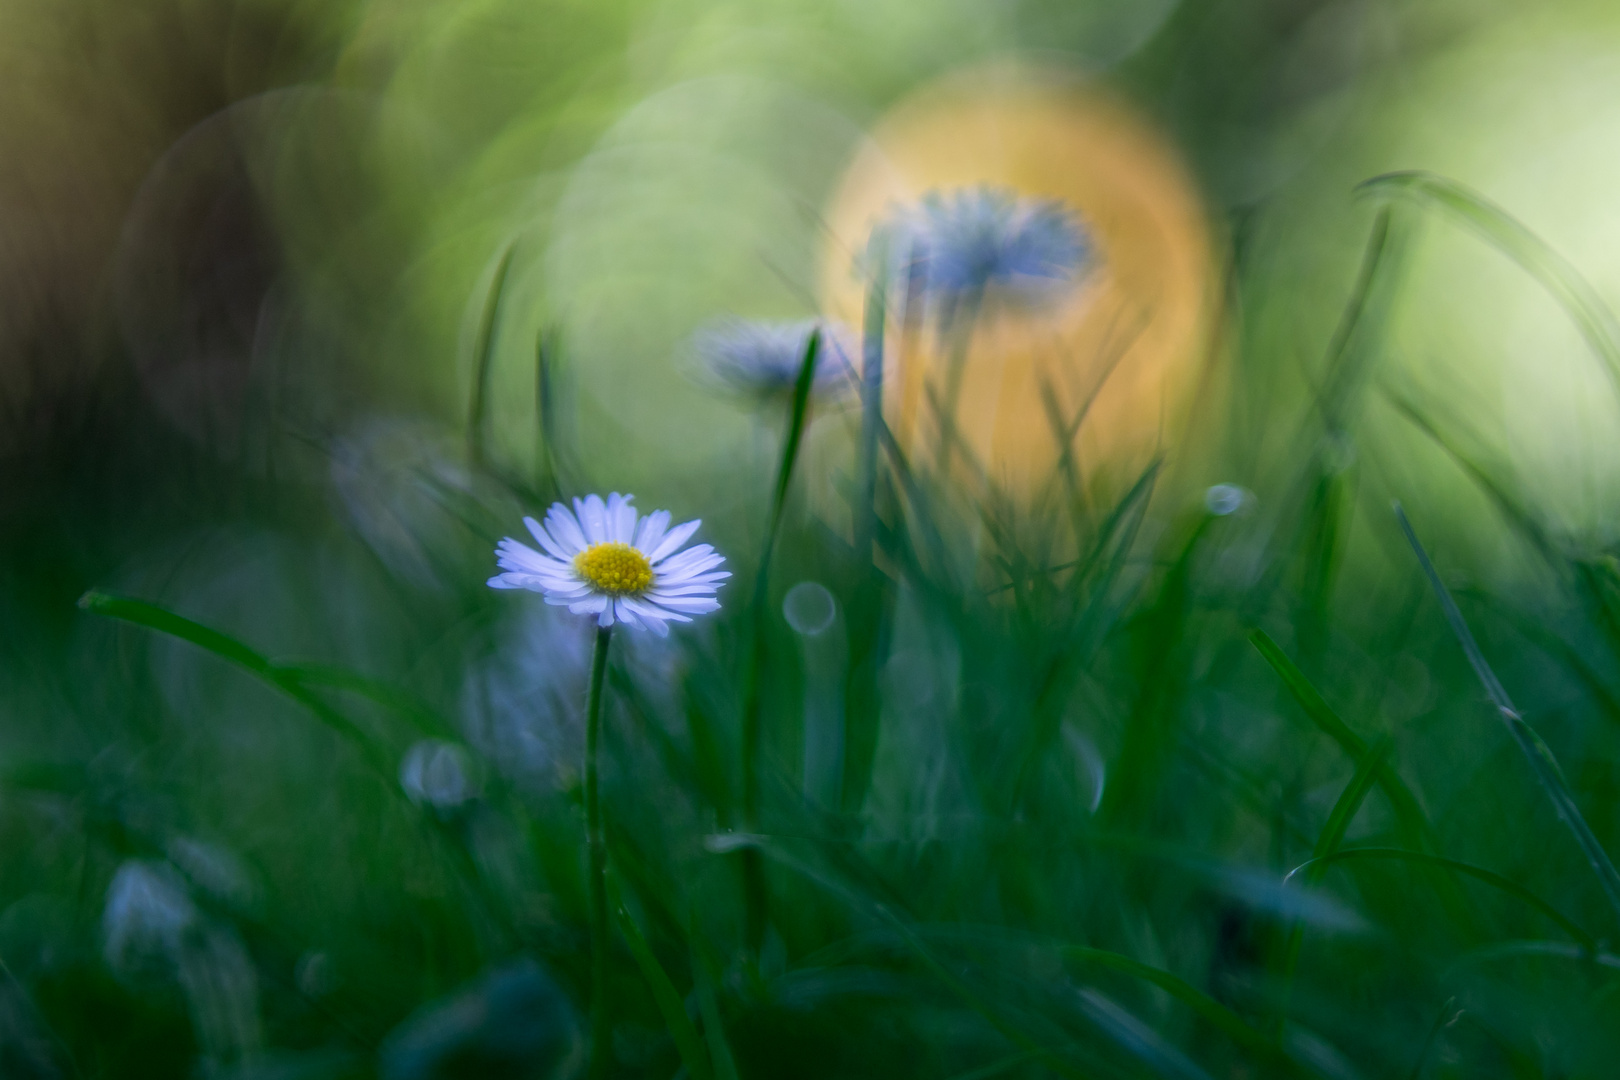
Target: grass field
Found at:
1183, 764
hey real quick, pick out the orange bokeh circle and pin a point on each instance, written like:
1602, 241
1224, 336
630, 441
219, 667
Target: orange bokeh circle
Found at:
1131, 338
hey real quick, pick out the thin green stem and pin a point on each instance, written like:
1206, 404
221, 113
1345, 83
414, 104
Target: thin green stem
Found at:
957, 327
596, 847
1535, 751
872, 333
753, 721
483, 360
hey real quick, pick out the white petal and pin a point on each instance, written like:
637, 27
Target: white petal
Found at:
652, 616
606, 618
651, 530
592, 516
589, 606
621, 608
562, 524
512, 555
509, 581
693, 560
621, 518
695, 604
682, 590
664, 614
673, 540
547, 541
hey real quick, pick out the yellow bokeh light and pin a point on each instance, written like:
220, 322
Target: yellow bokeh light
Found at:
1135, 332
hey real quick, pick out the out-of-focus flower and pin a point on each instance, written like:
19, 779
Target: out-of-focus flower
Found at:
762, 359
439, 775
967, 241
145, 921
599, 561
152, 933
515, 1021
214, 871
1224, 499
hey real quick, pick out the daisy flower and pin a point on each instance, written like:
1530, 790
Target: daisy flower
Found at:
762, 359
599, 559
972, 239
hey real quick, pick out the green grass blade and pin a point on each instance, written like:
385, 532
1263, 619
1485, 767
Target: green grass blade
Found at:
484, 359
688, 1043
1478, 873
152, 617
1573, 292
887, 915
753, 721
1134, 1037
1217, 1015
996, 1068
1510, 508
1382, 251
549, 444
1349, 802
714, 1031
1327, 842
1408, 811
1535, 751
425, 720
798, 420
864, 512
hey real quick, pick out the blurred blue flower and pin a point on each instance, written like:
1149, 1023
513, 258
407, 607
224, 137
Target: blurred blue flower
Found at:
513, 1022
148, 913
963, 242
439, 775
762, 359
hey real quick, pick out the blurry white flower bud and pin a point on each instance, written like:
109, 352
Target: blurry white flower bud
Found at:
147, 916
1224, 499
439, 774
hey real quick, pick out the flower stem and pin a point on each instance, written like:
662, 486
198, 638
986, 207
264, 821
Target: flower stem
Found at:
596, 848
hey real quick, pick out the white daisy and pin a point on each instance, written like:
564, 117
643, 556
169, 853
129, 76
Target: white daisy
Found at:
599, 561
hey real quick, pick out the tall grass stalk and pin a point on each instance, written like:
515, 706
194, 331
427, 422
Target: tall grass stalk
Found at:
596, 854
1535, 751
798, 418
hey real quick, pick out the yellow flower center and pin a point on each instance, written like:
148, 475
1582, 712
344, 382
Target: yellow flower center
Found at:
615, 568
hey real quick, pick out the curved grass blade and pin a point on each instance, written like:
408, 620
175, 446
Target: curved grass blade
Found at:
714, 1032
1573, 292
1535, 751
1479, 873
873, 328
1558, 949
1136, 1038
1217, 1015
484, 358
996, 1068
1344, 811
552, 465
164, 621
883, 913
1385, 246
1408, 811
423, 719
1447, 1016
798, 417
688, 1043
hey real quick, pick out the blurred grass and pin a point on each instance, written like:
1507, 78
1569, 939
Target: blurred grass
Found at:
1123, 786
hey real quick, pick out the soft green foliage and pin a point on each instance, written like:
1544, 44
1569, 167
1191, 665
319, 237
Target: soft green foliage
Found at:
1105, 782
1107, 823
